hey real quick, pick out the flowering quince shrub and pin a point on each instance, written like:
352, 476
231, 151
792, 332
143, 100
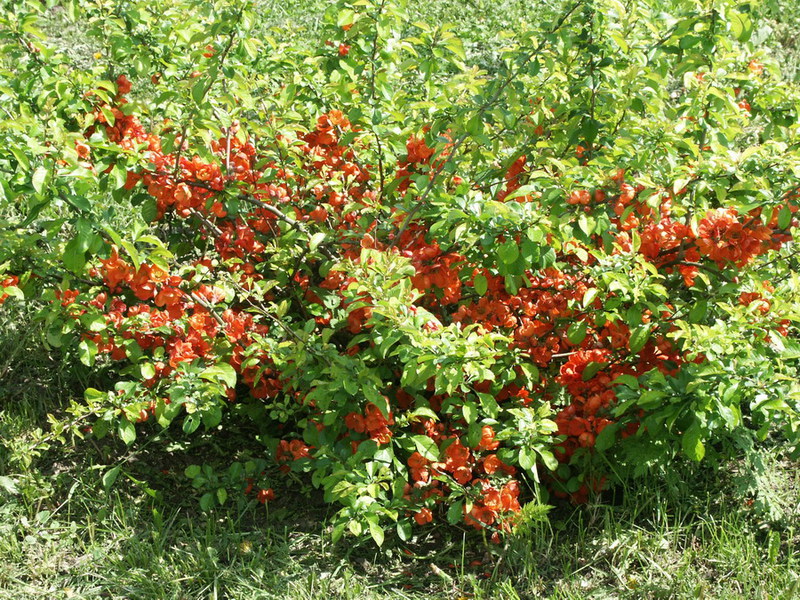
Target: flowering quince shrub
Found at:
440, 292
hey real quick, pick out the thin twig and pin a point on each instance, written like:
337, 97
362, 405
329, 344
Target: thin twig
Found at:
286, 219
214, 229
209, 85
205, 305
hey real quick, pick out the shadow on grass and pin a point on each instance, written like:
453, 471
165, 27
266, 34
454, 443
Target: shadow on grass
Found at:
684, 534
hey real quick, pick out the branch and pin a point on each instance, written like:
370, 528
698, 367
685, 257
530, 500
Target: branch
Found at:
214, 229
205, 305
286, 219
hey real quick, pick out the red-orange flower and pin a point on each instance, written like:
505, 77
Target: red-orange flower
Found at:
265, 496
723, 238
424, 515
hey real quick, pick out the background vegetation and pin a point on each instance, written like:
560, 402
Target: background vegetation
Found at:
689, 534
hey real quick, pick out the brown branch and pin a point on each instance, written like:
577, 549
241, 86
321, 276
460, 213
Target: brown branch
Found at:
286, 219
205, 305
214, 229
177, 169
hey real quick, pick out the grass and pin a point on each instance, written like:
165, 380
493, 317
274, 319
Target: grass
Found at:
127, 546
683, 534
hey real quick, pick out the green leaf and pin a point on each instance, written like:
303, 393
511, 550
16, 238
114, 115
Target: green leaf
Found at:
199, 91
316, 240
627, 380
692, 444
376, 531
192, 471
508, 252
337, 532
207, 502
110, 118
21, 157
606, 438
100, 429
78, 202
147, 370
87, 350
119, 175
110, 476
473, 435
149, 210
74, 257
355, 527
639, 337
589, 297
470, 412
94, 322
345, 17
426, 447
13, 292
741, 26
549, 459
650, 398
220, 372
455, 46
9, 485
586, 224
423, 411
455, 513
191, 423
133, 253
548, 258
784, 218
38, 178
490, 405
576, 332
382, 402
126, 430
481, 284
698, 311
527, 458
592, 369
222, 495
531, 372
475, 125
511, 283
404, 530
531, 252
591, 128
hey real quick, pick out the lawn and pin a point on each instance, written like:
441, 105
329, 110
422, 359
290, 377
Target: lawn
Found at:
680, 534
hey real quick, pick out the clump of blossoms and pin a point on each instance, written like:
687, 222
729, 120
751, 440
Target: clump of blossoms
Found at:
176, 320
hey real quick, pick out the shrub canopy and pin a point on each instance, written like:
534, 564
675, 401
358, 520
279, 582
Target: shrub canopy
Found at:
442, 284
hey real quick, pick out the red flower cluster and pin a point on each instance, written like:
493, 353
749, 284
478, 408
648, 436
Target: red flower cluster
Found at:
531, 314
723, 238
435, 269
8, 282
372, 423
